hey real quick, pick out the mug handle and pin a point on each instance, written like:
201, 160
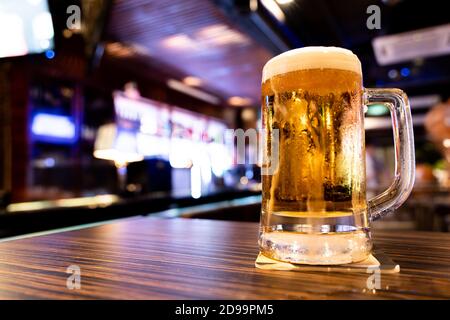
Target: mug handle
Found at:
397, 193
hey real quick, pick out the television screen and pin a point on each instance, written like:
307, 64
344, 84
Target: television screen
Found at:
25, 27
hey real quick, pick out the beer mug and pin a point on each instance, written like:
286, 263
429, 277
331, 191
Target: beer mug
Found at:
314, 207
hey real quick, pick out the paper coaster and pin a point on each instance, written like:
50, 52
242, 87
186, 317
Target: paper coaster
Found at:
377, 259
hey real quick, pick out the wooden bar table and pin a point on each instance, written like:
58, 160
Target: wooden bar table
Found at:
149, 258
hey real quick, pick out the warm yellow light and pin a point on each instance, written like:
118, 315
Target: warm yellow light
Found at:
99, 200
220, 35
179, 41
120, 50
192, 81
248, 114
274, 9
67, 33
446, 143
199, 94
117, 156
239, 101
243, 180
284, 1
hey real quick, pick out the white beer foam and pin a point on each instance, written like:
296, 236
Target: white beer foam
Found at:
312, 58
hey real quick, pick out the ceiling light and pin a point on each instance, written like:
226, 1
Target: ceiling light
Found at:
239, 101
282, 2
142, 50
210, 36
274, 9
220, 34
192, 81
179, 41
118, 49
181, 87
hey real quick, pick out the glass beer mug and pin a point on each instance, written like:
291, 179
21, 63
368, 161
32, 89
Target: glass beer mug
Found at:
314, 207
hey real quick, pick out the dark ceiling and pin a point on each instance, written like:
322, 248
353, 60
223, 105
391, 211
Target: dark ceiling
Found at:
193, 38
343, 23
225, 43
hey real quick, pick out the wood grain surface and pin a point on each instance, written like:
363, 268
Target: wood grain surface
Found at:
148, 258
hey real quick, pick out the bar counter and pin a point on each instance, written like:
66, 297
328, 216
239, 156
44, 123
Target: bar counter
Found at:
28, 217
155, 258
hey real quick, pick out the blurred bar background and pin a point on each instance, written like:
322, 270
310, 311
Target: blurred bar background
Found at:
117, 108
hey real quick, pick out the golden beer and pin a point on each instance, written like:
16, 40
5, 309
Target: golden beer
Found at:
314, 207
318, 188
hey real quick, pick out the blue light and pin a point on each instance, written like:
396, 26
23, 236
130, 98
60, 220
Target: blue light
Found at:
49, 54
52, 127
49, 162
405, 72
